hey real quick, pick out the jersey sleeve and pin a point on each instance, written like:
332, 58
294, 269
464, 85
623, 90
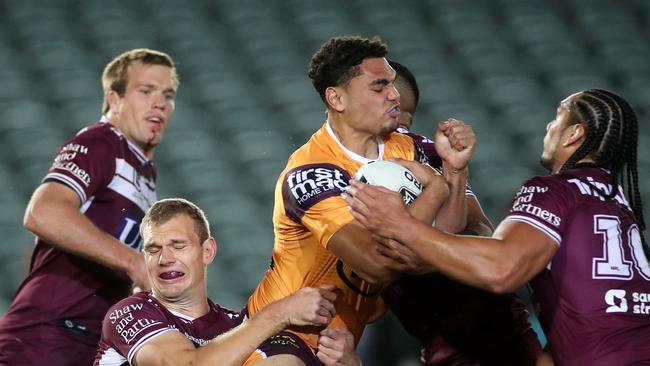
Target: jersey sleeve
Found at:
85, 164
131, 323
312, 196
543, 203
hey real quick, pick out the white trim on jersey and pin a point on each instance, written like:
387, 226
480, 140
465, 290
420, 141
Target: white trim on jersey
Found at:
185, 318
352, 155
70, 182
537, 224
86, 205
145, 339
134, 187
111, 357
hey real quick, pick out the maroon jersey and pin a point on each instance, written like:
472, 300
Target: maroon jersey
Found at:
134, 321
595, 292
459, 324
115, 183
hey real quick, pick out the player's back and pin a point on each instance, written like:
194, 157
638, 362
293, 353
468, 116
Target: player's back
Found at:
594, 292
308, 212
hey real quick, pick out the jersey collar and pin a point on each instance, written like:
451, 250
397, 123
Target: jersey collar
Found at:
351, 154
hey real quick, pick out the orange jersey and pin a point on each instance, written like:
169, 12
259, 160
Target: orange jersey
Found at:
308, 212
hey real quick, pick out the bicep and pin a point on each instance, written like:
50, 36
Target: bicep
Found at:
168, 348
53, 192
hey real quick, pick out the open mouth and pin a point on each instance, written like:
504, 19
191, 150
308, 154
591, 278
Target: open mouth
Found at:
171, 275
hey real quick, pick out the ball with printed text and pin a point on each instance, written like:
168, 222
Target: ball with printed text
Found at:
392, 176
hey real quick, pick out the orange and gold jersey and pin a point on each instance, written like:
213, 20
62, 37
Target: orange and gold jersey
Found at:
308, 211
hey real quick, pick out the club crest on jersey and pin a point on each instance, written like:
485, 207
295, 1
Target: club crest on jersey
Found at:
306, 185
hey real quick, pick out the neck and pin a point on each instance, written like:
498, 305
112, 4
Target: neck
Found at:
192, 306
359, 142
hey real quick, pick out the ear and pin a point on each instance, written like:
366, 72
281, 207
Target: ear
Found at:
113, 102
334, 98
209, 249
576, 134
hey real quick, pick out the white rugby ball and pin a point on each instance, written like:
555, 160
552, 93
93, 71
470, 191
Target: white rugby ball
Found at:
392, 176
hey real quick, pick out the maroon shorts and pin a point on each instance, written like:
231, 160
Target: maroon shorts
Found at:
287, 343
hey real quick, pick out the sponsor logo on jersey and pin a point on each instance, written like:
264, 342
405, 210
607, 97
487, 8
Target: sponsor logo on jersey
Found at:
306, 185
129, 232
125, 323
73, 168
590, 187
618, 302
75, 148
523, 200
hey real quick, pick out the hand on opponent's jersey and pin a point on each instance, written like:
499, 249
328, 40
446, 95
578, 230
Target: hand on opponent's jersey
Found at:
310, 306
336, 348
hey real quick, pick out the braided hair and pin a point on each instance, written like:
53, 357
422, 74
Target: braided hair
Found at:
611, 141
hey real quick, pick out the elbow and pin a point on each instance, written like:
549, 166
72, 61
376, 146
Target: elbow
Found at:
34, 219
31, 220
502, 281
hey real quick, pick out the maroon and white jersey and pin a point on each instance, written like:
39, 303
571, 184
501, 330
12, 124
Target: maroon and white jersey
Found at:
140, 318
115, 183
595, 292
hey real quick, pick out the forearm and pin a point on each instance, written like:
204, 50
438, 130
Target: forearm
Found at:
236, 345
428, 205
476, 261
452, 216
354, 245
62, 225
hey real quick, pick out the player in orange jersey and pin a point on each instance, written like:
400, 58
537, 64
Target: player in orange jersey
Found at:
317, 241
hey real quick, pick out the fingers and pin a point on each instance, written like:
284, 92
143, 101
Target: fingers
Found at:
460, 135
336, 347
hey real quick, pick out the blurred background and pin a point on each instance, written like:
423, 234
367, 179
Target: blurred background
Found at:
245, 102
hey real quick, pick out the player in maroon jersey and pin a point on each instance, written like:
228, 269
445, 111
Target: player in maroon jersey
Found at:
455, 323
85, 216
176, 323
574, 234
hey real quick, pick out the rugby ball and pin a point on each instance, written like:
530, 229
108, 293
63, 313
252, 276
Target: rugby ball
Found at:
392, 176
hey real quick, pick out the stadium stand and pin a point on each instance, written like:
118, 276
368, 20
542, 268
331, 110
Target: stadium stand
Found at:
245, 101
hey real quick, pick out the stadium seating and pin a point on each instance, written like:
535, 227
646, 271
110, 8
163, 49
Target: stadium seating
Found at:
245, 102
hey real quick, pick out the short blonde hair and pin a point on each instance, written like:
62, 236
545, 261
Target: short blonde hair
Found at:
115, 78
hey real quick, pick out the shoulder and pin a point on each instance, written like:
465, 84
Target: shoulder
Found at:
97, 137
305, 185
132, 307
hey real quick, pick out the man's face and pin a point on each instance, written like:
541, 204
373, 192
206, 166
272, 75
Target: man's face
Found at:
551, 158
144, 111
370, 100
406, 102
175, 259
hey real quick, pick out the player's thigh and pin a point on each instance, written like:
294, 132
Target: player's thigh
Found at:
280, 360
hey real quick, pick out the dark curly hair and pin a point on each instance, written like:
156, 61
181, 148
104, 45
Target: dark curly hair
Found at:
338, 60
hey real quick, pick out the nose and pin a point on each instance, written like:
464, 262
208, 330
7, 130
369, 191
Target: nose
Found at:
393, 94
159, 101
166, 256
